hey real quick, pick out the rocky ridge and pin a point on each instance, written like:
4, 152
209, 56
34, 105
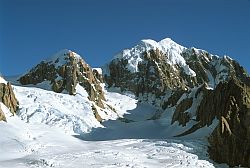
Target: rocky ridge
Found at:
230, 141
158, 68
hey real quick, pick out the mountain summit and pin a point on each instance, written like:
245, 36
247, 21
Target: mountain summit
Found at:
171, 49
64, 70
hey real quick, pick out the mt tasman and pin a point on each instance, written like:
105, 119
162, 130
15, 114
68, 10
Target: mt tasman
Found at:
157, 104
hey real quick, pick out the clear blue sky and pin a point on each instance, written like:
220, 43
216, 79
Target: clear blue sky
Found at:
32, 30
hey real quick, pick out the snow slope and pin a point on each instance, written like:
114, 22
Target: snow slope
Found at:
39, 139
71, 113
2, 80
37, 145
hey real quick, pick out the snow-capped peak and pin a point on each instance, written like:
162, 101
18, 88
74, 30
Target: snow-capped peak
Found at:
134, 55
150, 44
59, 58
63, 53
168, 46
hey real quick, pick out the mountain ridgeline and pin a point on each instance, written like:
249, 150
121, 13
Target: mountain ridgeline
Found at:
197, 85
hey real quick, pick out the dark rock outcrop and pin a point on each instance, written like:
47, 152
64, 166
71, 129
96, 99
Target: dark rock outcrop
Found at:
173, 99
8, 98
64, 72
154, 76
211, 69
230, 141
180, 114
229, 103
2, 116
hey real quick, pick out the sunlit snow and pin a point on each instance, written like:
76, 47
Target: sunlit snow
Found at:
169, 47
59, 130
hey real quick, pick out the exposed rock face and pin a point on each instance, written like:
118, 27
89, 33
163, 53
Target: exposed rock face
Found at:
154, 75
2, 116
7, 97
193, 98
229, 102
230, 141
173, 99
64, 71
180, 113
211, 69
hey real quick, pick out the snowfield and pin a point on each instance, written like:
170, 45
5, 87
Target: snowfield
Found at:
42, 146
71, 113
60, 130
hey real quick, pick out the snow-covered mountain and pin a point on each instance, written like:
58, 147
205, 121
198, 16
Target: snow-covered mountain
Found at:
189, 66
194, 87
158, 102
